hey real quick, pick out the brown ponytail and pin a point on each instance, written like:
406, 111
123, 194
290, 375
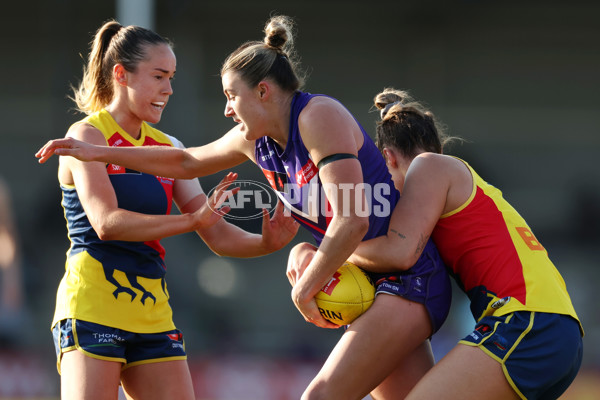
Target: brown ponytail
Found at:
407, 125
112, 44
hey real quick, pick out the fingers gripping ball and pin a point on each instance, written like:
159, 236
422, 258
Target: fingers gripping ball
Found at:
347, 295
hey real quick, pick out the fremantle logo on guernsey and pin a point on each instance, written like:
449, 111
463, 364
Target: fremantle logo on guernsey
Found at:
307, 199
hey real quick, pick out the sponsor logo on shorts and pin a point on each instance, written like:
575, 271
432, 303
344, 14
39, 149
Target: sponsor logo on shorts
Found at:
392, 285
178, 337
480, 331
500, 344
418, 284
387, 285
177, 346
111, 338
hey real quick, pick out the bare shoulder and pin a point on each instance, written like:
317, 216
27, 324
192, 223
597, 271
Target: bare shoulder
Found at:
86, 133
441, 162
452, 171
325, 125
434, 162
78, 133
321, 108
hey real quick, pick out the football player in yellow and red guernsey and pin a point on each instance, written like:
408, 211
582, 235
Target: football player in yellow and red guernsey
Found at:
527, 342
113, 324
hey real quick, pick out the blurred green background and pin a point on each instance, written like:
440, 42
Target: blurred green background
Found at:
520, 81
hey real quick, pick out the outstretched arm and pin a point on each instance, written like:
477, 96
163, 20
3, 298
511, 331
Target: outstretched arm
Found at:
101, 206
224, 238
228, 151
227, 239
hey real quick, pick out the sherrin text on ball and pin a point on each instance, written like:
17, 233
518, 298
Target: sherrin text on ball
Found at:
347, 295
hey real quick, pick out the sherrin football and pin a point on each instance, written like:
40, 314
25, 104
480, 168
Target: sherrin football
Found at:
347, 295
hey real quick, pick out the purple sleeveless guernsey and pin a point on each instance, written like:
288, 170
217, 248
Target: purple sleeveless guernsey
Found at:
295, 178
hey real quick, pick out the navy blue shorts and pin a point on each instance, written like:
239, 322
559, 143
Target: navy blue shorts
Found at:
106, 343
540, 353
427, 282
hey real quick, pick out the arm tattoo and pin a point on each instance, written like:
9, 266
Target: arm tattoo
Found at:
421, 245
401, 236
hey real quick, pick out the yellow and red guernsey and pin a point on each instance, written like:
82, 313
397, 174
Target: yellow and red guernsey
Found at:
496, 259
113, 282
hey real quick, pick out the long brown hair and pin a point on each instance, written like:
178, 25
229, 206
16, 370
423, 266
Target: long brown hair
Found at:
112, 44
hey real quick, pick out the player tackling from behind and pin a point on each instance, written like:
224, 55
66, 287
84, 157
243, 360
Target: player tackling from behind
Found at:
527, 342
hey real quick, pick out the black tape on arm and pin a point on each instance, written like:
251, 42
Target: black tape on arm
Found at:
334, 157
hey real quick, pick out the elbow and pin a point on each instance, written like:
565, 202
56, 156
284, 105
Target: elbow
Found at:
392, 258
105, 230
405, 264
402, 261
186, 169
185, 173
105, 233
